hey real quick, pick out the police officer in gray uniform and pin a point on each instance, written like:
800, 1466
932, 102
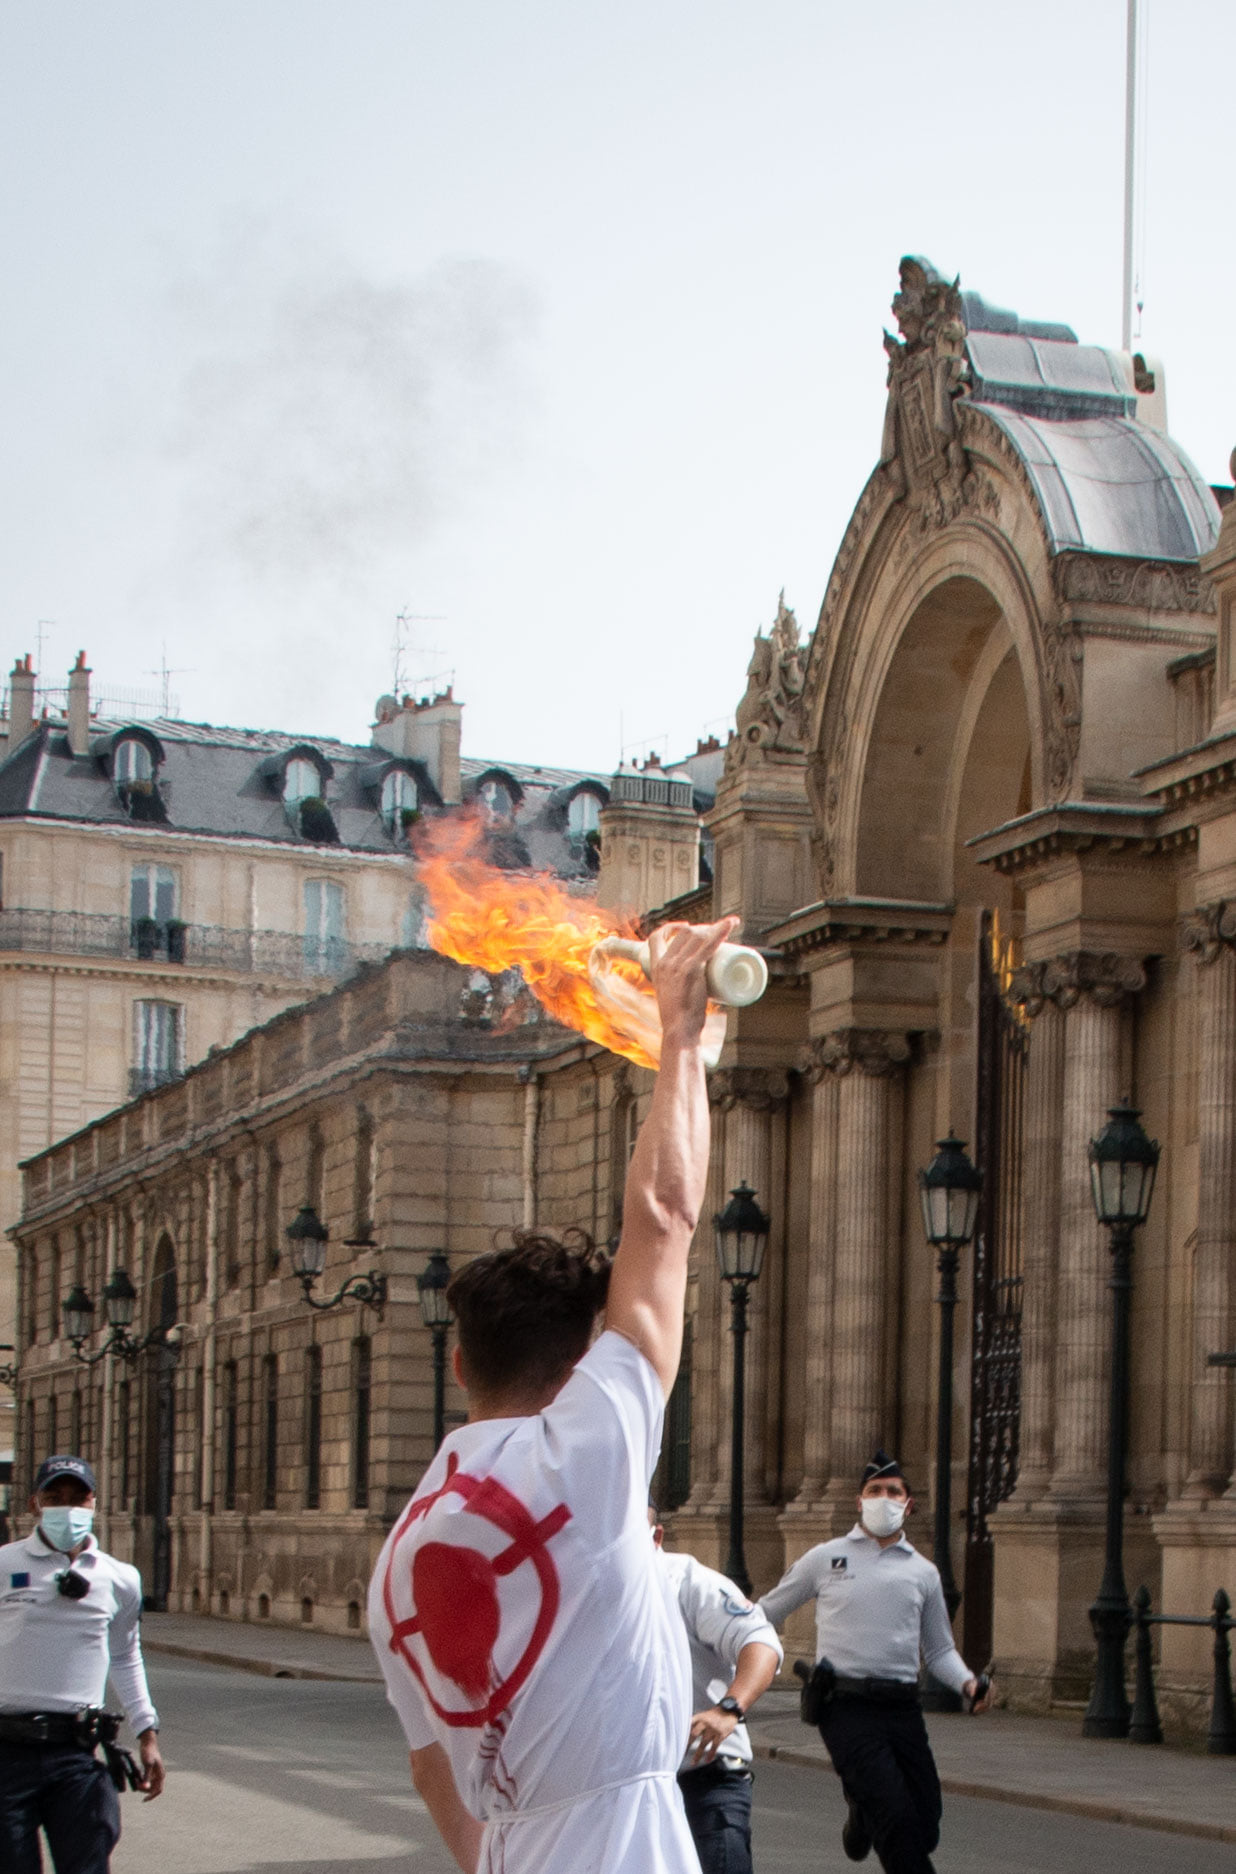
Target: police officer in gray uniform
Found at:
735, 1654
879, 1608
69, 1614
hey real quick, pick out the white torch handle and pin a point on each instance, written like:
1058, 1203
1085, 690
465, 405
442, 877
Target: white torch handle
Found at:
737, 975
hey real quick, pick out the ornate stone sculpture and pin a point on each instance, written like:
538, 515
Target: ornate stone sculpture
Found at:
1205, 931
1106, 978
922, 455
771, 713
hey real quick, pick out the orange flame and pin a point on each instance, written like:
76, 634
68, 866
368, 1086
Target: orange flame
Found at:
493, 921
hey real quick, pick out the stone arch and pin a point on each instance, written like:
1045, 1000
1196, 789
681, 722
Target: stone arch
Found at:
915, 624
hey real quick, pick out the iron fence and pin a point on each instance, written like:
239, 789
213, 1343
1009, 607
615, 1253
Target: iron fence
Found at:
1144, 1727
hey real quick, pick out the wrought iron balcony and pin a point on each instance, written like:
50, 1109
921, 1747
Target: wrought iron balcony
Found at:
191, 946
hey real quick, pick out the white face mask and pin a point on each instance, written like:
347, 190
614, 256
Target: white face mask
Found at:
65, 1526
883, 1516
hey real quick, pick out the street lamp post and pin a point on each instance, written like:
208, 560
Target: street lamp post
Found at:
431, 1285
307, 1239
742, 1237
1122, 1171
949, 1191
119, 1303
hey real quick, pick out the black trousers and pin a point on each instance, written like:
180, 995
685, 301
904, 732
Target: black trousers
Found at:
884, 1760
718, 1806
66, 1792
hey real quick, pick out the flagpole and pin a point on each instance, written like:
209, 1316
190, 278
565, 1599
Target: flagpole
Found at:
1130, 142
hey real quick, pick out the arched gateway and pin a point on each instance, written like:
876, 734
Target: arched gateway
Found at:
948, 814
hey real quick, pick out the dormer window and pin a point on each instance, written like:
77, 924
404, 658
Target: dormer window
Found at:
401, 801
132, 762
134, 757
301, 781
496, 798
583, 816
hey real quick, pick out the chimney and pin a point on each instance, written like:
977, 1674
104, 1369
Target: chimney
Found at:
428, 731
21, 702
650, 839
79, 707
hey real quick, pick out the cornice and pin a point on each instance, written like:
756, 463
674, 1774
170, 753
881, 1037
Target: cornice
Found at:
1077, 827
1205, 771
835, 921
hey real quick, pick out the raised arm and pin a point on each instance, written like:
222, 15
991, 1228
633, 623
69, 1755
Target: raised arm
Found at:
669, 1167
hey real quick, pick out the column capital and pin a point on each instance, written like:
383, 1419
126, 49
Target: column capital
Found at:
1209, 929
759, 1088
1102, 977
875, 1052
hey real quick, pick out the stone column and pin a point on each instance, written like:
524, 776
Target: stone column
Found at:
866, 1063
818, 1373
1211, 935
1041, 1149
750, 1097
1091, 989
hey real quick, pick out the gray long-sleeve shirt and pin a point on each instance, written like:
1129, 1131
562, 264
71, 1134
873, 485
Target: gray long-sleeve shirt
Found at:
876, 1610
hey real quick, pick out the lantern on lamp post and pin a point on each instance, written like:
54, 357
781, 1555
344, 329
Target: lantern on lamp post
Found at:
307, 1239
431, 1286
742, 1237
1123, 1162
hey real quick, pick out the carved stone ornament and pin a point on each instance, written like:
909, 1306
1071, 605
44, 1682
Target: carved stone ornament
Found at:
1146, 584
875, 1052
771, 715
1101, 977
759, 1088
1207, 930
922, 455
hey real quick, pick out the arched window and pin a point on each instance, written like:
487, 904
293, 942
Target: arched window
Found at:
400, 798
301, 781
583, 816
132, 762
496, 799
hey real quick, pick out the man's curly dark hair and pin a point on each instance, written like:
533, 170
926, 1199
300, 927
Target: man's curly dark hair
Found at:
526, 1311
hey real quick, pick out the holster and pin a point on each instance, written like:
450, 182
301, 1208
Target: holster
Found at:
819, 1686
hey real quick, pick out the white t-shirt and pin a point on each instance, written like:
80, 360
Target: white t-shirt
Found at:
522, 1623
720, 1621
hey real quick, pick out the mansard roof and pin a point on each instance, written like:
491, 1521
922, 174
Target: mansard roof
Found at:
217, 782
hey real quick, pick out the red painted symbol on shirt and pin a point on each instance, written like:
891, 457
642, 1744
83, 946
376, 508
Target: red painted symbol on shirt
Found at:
456, 1596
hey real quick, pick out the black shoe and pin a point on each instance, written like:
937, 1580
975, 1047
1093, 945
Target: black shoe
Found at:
855, 1835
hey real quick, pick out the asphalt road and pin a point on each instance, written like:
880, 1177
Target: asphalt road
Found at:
299, 1774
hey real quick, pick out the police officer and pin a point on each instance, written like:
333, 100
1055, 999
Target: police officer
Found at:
68, 1615
879, 1606
735, 1654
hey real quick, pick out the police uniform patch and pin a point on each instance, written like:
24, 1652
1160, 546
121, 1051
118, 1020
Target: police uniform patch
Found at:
737, 1606
19, 1581
839, 1564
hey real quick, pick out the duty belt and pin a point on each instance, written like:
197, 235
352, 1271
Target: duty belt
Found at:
86, 1729
880, 1691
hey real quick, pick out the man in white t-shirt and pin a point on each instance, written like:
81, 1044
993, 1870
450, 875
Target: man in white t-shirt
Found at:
530, 1643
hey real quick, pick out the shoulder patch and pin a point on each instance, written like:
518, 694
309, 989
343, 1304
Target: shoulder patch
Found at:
736, 1605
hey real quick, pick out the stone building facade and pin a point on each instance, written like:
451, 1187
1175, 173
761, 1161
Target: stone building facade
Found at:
984, 824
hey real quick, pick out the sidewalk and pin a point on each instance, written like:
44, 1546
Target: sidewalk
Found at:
1038, 1763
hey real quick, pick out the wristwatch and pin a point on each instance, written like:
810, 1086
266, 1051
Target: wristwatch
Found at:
732, 1707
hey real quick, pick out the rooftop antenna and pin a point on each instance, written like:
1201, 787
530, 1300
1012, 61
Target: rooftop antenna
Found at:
399, 681
182, 670
44, 626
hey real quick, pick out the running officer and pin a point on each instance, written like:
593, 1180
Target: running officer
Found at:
735, 1654
879, 1607
530, 1642
69, 1615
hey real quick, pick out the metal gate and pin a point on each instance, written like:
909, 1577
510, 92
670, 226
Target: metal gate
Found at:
995, 1374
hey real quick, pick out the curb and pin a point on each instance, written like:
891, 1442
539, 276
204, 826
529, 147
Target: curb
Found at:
1093, 1808
265, 1668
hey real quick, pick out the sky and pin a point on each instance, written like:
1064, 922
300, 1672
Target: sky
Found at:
552, 326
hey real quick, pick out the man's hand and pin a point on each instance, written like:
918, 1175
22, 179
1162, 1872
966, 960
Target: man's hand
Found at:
709, 1730
971, 1687
679, 954
153, 1773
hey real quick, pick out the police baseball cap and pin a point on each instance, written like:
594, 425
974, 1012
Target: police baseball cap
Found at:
65, 1466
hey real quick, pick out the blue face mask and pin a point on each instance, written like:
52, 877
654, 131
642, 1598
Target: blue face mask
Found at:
65, 1526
